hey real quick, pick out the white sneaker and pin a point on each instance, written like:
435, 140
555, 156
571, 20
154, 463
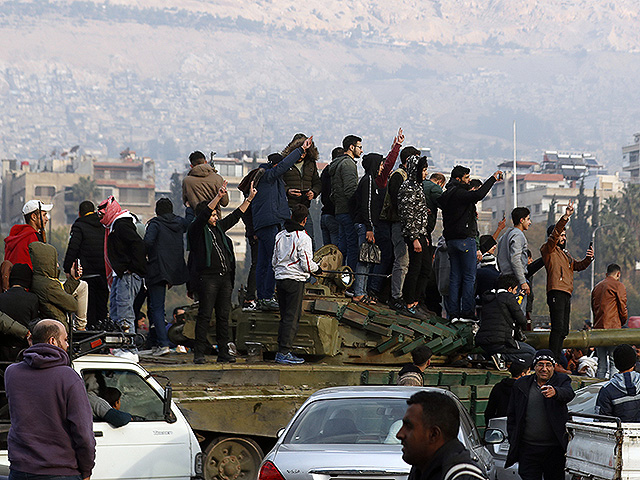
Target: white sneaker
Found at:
181, 349
499, 362
161, 351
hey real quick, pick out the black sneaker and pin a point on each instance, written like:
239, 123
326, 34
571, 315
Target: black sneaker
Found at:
397, 304
226, 359
199, 360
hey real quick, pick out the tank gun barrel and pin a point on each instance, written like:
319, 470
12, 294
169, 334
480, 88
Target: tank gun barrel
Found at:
588, 338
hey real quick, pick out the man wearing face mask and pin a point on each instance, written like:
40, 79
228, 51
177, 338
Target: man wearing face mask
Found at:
212, 266
560, 266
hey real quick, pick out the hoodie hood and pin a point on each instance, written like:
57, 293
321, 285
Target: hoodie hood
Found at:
44, 258
411, 166
45, 355
628, 383
202, 170
17, 234
371, 163
291, 226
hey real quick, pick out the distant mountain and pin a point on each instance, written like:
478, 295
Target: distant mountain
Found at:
165, 77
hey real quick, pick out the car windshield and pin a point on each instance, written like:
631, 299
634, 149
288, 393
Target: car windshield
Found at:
349, 421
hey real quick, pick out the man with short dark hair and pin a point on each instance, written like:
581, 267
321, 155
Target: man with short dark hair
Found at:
609, 306
86, 245
429, 440
51, 433
537, 419
459, 218
411, 373
344, 182
292, 263
560, 266
620, 396
202, 183
512, 250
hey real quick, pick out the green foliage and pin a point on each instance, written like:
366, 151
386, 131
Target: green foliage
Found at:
619, 241
59, 238
85, 189
176, 192
551, 216
580, 222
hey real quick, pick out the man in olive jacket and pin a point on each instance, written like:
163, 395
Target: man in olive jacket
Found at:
537, 418
560, 266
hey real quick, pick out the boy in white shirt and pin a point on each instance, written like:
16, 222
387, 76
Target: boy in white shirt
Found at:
292, 264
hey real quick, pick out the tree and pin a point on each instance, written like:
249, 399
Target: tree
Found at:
85, 189
551, 216
176, 191
595, 208
580, 222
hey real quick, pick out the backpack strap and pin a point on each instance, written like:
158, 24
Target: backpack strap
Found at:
467, 469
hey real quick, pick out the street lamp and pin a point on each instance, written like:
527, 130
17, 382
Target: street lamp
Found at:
593, 263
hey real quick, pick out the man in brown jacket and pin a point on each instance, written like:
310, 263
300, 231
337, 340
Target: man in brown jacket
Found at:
202, 183
560, 266
609, 305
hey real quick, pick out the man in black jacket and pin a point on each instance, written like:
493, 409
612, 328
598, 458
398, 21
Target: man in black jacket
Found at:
498, 403
459, 218
429, 440
86, 244
536, 420
212, 267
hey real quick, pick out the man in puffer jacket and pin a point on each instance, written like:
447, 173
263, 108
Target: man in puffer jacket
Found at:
501, 315
620, 397
57, 299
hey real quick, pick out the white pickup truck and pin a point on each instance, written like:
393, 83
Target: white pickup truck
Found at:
159, 444
603, 448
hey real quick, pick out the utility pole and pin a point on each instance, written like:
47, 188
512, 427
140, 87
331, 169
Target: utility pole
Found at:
515, 187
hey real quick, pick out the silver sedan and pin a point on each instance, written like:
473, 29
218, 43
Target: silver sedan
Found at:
350, 433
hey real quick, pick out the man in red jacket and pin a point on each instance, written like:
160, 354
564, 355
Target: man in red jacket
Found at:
16, 245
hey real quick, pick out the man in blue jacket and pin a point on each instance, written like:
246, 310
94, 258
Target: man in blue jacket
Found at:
620, 397
270, 210
537, 418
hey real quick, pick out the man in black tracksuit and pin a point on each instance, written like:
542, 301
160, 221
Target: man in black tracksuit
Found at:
86, 243
536, 420
212, 266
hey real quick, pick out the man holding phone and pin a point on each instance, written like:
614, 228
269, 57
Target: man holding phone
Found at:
536, 420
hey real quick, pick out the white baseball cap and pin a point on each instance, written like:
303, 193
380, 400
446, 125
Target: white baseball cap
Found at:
35, 205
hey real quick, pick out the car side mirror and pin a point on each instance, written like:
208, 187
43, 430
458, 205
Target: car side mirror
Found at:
493, 436
166, 411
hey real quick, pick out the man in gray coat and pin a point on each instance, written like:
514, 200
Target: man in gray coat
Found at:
512, 250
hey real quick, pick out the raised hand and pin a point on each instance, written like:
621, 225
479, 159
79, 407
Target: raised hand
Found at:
307, 143
252, 192
569, 210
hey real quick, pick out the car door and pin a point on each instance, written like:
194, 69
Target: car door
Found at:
149, 447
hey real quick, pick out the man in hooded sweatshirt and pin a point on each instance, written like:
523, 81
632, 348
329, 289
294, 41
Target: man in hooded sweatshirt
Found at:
164, 240
459, 218
202, 182
292, 263
125, 262
51, 433
86, 244
16, 245
620, 396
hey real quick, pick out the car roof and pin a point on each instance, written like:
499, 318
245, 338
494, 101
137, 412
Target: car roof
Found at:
368, 391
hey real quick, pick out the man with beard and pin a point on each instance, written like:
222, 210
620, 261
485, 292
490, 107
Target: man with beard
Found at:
560, 266
429, 440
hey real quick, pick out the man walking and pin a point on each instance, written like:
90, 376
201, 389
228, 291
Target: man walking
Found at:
429, 440
51, 433
344, 182
560, 266
537, 418
512, 250
609, 306
459, 218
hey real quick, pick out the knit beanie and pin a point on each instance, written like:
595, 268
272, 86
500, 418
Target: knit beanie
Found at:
624, 357
21, 274
164, 205
544, 354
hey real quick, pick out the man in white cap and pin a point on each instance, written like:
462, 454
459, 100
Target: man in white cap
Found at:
16, 245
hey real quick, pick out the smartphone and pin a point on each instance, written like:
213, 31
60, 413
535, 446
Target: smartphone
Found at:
590, 244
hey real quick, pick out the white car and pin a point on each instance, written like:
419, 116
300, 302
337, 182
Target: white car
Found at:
350, 433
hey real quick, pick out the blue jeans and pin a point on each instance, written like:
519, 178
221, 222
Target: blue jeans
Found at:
383, 240
360, 282
155, 301
16, 475
265, 278
123, 292
462, 278
349, 238
330, 230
